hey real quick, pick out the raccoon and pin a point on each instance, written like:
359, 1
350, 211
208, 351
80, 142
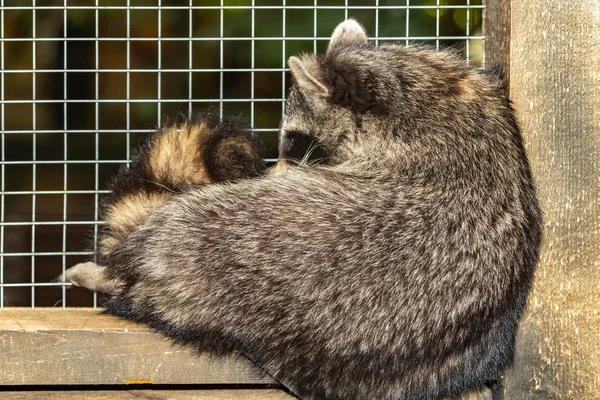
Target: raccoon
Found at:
183, 155
397, 269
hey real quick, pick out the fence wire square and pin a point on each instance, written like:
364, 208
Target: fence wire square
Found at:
82, 82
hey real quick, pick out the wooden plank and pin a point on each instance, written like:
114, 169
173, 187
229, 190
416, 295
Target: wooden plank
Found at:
151, 394
497, 28
52, 319
555, 85
48, 346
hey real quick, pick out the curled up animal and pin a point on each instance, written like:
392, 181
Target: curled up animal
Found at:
396, 268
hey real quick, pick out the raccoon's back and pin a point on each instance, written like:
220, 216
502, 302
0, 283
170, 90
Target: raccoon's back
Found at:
392, 283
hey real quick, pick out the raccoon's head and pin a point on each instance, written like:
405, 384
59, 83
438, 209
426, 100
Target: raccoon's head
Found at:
359, 95
314, 124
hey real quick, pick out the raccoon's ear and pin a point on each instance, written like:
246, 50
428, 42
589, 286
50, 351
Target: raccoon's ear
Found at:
348, 33
306, 72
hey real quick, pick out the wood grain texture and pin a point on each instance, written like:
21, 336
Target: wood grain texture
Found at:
80, 346
151, 395
496, 28
555, 86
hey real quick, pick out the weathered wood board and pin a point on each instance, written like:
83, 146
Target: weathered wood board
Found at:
151, 394
49, 346
496, 27
555, 86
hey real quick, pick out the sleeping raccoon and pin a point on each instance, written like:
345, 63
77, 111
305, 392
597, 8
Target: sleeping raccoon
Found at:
398, 270
181, 156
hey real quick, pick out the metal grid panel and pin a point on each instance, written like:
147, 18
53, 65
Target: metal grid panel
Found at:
82, 81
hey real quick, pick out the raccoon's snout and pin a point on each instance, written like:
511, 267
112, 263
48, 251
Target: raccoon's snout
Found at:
293, 145
300, 147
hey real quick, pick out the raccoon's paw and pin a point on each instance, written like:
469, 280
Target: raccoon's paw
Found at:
92, 277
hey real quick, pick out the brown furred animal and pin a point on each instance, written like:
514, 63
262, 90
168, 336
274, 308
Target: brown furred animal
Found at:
398, 270
183, 155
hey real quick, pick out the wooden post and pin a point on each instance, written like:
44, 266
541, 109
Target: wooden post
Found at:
496, 26
555, 86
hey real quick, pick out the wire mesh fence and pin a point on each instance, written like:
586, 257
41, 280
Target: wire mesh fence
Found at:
83, 81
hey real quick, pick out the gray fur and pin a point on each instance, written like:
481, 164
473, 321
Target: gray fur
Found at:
400, 270
93, 277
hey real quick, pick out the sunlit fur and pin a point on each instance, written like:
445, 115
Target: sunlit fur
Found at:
181, 156
184, 155
399, 270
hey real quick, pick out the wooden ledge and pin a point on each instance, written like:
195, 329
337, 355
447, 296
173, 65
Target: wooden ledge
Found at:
152, 394
79, 346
